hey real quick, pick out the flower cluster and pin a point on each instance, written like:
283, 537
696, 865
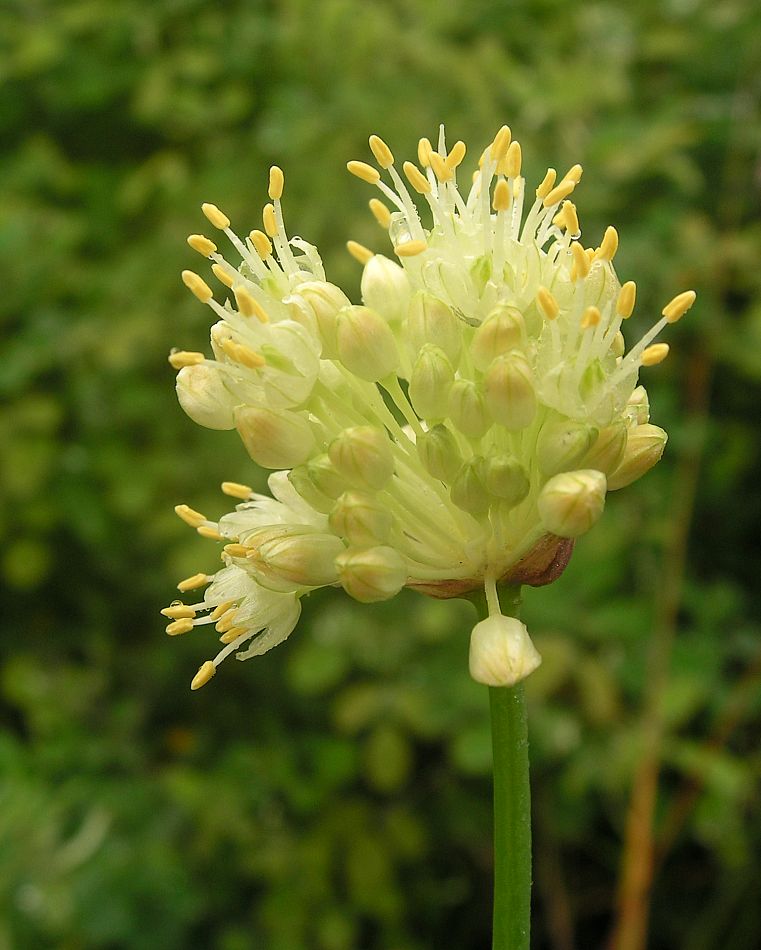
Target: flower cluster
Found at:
456, 430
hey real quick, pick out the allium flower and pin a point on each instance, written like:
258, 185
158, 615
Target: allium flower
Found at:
454, 432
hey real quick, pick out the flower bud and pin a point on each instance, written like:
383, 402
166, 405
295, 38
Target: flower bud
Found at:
371, 574
501, 652
304, 486
644, 447
431, 380
204, 397
503, 330
437, 450
366, 345
277, 440
507, 479
386, 288
325, 477
608, 449
287, 557
570, 503
638, 407
432, 321
363, 456
562, 444
509, 391
467, 409
361, 519
315, 305
468, 490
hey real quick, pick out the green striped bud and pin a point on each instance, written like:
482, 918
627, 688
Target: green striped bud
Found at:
366, 345
315, 305
277, 440
439, 454
469, 490
608, 450
503, 330
570, 503
509, 390
432, 321
385, 288
304, 485
467, 409
363, 456
644, 448
325, 477
204, 396
501, 652
563, 444
372, 574
430, 383
361, 519
507, 479
288, 557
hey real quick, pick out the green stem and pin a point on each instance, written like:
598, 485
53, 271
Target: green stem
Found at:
512, 805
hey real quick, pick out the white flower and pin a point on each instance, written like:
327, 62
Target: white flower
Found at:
450, 433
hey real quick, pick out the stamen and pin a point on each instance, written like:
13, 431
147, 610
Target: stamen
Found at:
501, 144
226, 621
203, 675
547, 303
626, 300
202, 244
215, 216
383, 154
232, 634
501, 199
181, 358
249, 306
185, 625
197, 286
359, 252
235, 550
240, 353
276, 183
206, 531
424, 149
570, 218
456, 155
590, 318
608, 246
654, 354
563, 190
416, 178
262, 244
547, 184
178, 612
580, 259
364, 171
675, 309
237, 490
440, 168
189, 515
269, 219
223, 275
380, 212
221, 609
574, 174
513, 160
411, 248
192, 583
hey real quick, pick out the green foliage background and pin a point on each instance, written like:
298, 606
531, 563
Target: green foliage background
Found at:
335, 793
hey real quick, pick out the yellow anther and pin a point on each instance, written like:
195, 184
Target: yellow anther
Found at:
424, 149
618, 347
440, 168
626, 300
203, 675
197, 286
206, 531
416, 178
364, 171
192, 583
547, 303
590, 252
240, 353
410, 248
190, 515
556, 195
383, 154
380, 212
270, 220
221, 609
570, 217
235, 550
276, 183
574, 174
547, 183
608, 245
181, 358
359, 252
590, 318
580, 259
501, 199
675, 309
185, 625
202, 244
232, 634
178, 612
237, 490
456, 154
262, 244
654, 354
216, 217
514, 159
501, 144
223, 275
249, 306
226, 621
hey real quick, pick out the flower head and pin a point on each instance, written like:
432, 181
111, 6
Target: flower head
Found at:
456, 430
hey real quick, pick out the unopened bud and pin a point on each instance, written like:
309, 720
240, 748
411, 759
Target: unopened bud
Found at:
366, 345
372, 574
386, 288
509, 390
467, 409
638, 407
430, 383
363, 456
202, 394
507, 479
361, 519
315, 304
276, 440
501, 652
324, 475
302, 482
644, 448
469, 490
437, 450
570, 503
563, 444
608, 449
503, 330
430, 320
288, 557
